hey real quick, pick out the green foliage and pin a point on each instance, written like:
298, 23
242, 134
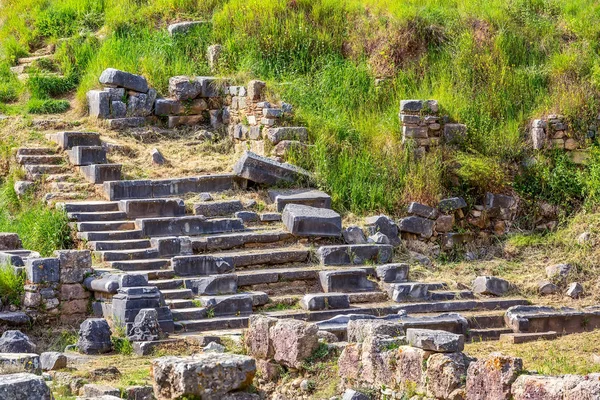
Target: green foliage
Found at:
480, 173
48, 106
122, 346
44, 86
11, 285
40, 228
10, 87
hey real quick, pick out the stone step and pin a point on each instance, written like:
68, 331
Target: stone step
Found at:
141, 265
187, 226
226, 241
414, 291
35, 151
100, 173
90, 206
144, 189
185, 314
165, 284
50, 178
213, 324
220, 208
48, 159
97, 216
348, 280
58, 197
70, 187
87, 155
367, 297
485, 334
68, 140
130, 254
181, 294
44, 169
101, 226
228, 305
443, 295
108, 245
305, 272
158, 274
517, 338
110, 235
178, 304
153, 208
355, 254
274, 256
306, 197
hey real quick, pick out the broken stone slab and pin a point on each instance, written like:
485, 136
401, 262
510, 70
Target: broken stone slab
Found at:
417, 225
15, 318
139, 105
444, 377
40, 270
392, 273
218, 208
87, 155
451, 204
385, 225
349, 280
226, 305
276, 135
247, 216
52, 361
407, 291
263, 170
164, 107
331, 301
152, 208
306, 197
434, 340
94, 336
354, 235
257, 339
92, 390
269, 217
545, 319
490, 285
13, 363
121, 124
355, 254
455, 133
13, 341
201, 375
24, 386
145, 327
303, 220
575, 290
213, 285
105, 284
411, 106
359, 329
201, 265
517, 338
492, 377
421, 210
184, 27
116, 78
187, 226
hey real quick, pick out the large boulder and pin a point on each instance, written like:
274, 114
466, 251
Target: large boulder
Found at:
445, 374
293, 341
491, 378
24, 386
207, 375
257, 338
94, 336
16, 342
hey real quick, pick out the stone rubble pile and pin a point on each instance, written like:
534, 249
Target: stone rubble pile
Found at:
552, 132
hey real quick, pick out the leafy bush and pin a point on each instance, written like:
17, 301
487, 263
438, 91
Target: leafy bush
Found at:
11, 285
48, 106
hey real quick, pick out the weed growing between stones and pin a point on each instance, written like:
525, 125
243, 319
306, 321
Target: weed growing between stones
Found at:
11, 286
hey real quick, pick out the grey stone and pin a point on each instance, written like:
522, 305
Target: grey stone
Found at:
87, 155
558, 272
218, 208
94, 336
538, 138
318, 301
498, 201
263, 170
118, 109
452, 204
379, 238
213, 285
150, 208
205, 196
10, 241
303, 220
203, 375
68, 140
354, 254
247, 216
270, 217
98, 104
348, 280
15, 318
360, 329
214, 347
101, 173
157, 157
16, 342
306, 197
119, 124
276, 135
14, 363
412, 106
414, 132
385, 225
354, 235
490, 285
422, 210
200, 265
392, 273
255, 89
417, 225
546, 288
575, 290
350, 394
133, 280
52, 361
114, 77
91, 390
213, 53
141, 104
145, 326
24, 386
436, 341
225, 305
139, 393
23, 187
182, 28
184, 87
455, 133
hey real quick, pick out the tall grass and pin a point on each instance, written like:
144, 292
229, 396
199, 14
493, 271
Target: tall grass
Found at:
11, 286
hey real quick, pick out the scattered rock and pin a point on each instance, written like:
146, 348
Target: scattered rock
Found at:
490, 285
108, 373
93, 390
16, 342
547, 288
379, 238
437, 341
558, 272
205, 196
24, 386
305, 385
214, 348
94, 336
145, 326
213, 54
452, 204
52, 361
157, 157
575, 290
23, 187
354, 235
385, 225
350, 394
584, 238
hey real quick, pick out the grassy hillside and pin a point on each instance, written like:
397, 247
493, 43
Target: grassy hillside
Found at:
492, 65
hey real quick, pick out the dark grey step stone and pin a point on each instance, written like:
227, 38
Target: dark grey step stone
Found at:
270, 217
152, 208
117, 78
165, 284
201, 265
97, 216
48, 159
188, 313
109, 245
234, 305
89, 206
485, 334
218, 208
303, 220
264, 257
178, 304
100, 173
99, 226
188, 225
306, 197
141, 265
228, 241
129, 254
260, 277
68, 140
263, 170
172, 294
325, 301
158, 274
412, 291
450, 294
143, 189
87, 155
346, 281
213, 324
393, 273
213, 285
355, 254
44, 169
35, 151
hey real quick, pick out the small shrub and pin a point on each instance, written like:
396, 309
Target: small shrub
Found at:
43, 86
122, 346
48, 106
11, 285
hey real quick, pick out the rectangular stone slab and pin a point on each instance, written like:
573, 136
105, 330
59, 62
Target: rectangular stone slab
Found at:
100, 173
235, 304
354, 254
187, 226
346, 281
87, 155
263, 170
303, 220
218, 208
307, 197
68, 140
321, 301
201, 265
150, 208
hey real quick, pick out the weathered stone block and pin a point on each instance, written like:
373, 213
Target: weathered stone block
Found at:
114, 77
87, 155
213, 285
492, 377
218, 208
303, 220
293, 341
24, 386
354, 254
306, 197
490, 285
40, 270
392, 273
436, 341
422, 210
53, 361
94, 336
259, 169
14, 363
318, 301
98, 104
417, 225
452, 204
385, 225
10, 241
445, 374
346, 281
276, 135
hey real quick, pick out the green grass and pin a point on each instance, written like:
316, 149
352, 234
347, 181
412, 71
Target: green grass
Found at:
47, 106
11, 286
